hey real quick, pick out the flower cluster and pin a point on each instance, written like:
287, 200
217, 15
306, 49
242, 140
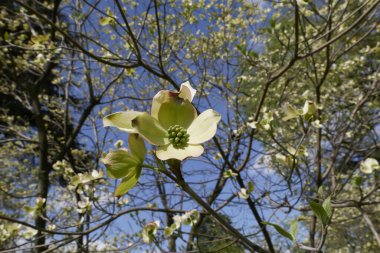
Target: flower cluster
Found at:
178, 136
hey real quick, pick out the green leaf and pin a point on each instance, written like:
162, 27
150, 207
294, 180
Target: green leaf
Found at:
250, 187
327, 206
294, 228
282, 231
105, 21
357, 181
229, 173
319, 211
120, 163
320, 191
137, 146
253, 54
272, 22
242, 49
128, 183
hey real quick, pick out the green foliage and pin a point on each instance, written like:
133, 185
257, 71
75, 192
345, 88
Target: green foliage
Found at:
290, 235
213, 237
128, 182
320, 211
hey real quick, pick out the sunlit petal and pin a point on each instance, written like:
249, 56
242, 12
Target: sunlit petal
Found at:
121, 120
149, 128
170, 152
369, 165
177, 112
187, 92
160, 98
203, 127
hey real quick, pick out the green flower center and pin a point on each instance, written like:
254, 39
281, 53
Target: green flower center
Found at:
178, 136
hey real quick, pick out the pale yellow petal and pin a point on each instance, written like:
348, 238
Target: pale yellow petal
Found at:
170, 152
121, 120
160, 98
177, 112
150, 129
203, 127
187, 92
369, 165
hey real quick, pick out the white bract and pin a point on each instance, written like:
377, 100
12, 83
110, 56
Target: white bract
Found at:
149, 231
309, 109
369, 165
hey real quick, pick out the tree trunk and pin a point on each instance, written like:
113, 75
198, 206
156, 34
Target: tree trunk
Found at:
43, 170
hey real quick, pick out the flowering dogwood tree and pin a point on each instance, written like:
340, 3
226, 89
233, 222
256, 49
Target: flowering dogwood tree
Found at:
189, 126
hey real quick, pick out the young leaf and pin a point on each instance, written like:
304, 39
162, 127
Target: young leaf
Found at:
137, 146
105, 21
229, 173
327, 206
120, 163
128, 183
320, 191
319, 211
294, 228
282, 231
250, 187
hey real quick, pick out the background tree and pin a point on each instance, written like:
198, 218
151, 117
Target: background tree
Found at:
296, 83
213, 237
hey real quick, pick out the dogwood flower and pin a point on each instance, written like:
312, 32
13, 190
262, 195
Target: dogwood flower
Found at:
149, 231
173, 124
369, 165
309, 109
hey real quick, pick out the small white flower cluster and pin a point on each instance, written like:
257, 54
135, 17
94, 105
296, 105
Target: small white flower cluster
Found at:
149, 231
369, 165
64, 168
29, 233
36, 209
76, 180
84, 205
245, 192
189, 218
7, 230
81, 183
